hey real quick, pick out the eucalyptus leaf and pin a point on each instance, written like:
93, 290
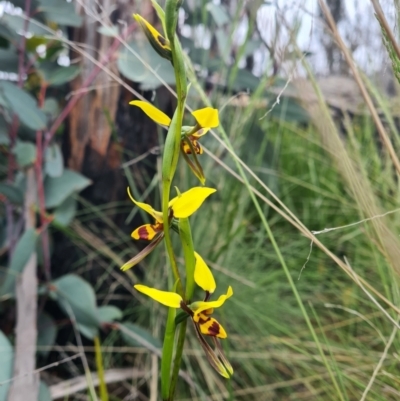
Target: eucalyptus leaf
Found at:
23, 105
57, 189
76, 296
223, 42
44, 392
12, 193
60, 11
219, 14
51, 108
4, 137
53, 161
22, 252
65, 213
109, 313
141, 333
56, 75
25, 153
16, 23
21, 3
47, 332
7, 34
89, 331
6, 365
9, 60
138, 70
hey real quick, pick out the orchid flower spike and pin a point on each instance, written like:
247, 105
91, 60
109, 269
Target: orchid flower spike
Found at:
180, 207
200, 313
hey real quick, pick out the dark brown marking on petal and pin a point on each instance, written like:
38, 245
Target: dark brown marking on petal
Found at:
143, 233
162, 40
186, 149
214, 329
196, 146
158, 227
202, 320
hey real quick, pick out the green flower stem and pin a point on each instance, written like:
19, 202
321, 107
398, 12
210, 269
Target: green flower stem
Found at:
185, 234
178, 359
171, 20
170, 161
166, 356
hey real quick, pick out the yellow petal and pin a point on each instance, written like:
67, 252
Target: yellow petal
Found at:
147, 208
160, 44
198, 307
200, 133
147, 231
203, 276
166, 298
155, 114
185, 205
207, 117
210, 326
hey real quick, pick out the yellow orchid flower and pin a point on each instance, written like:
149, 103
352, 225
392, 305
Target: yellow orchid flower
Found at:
200, 312
159, 43
180, 207
206, 119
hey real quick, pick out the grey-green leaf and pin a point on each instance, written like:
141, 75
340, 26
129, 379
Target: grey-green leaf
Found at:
12, 193
53, 161
23, 105
16, 23
23, 251
57, 189
55, 75
25, 153
135, 70
47, 332
76, 296
89, 331
4, 137
143, 336
65, 213
60, 11
51, 108
44, 392
9, 60
218, 13
6, 365
109, 313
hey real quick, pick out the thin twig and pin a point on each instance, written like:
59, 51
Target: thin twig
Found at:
357, 280
327, 230
42, 369
380, 363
